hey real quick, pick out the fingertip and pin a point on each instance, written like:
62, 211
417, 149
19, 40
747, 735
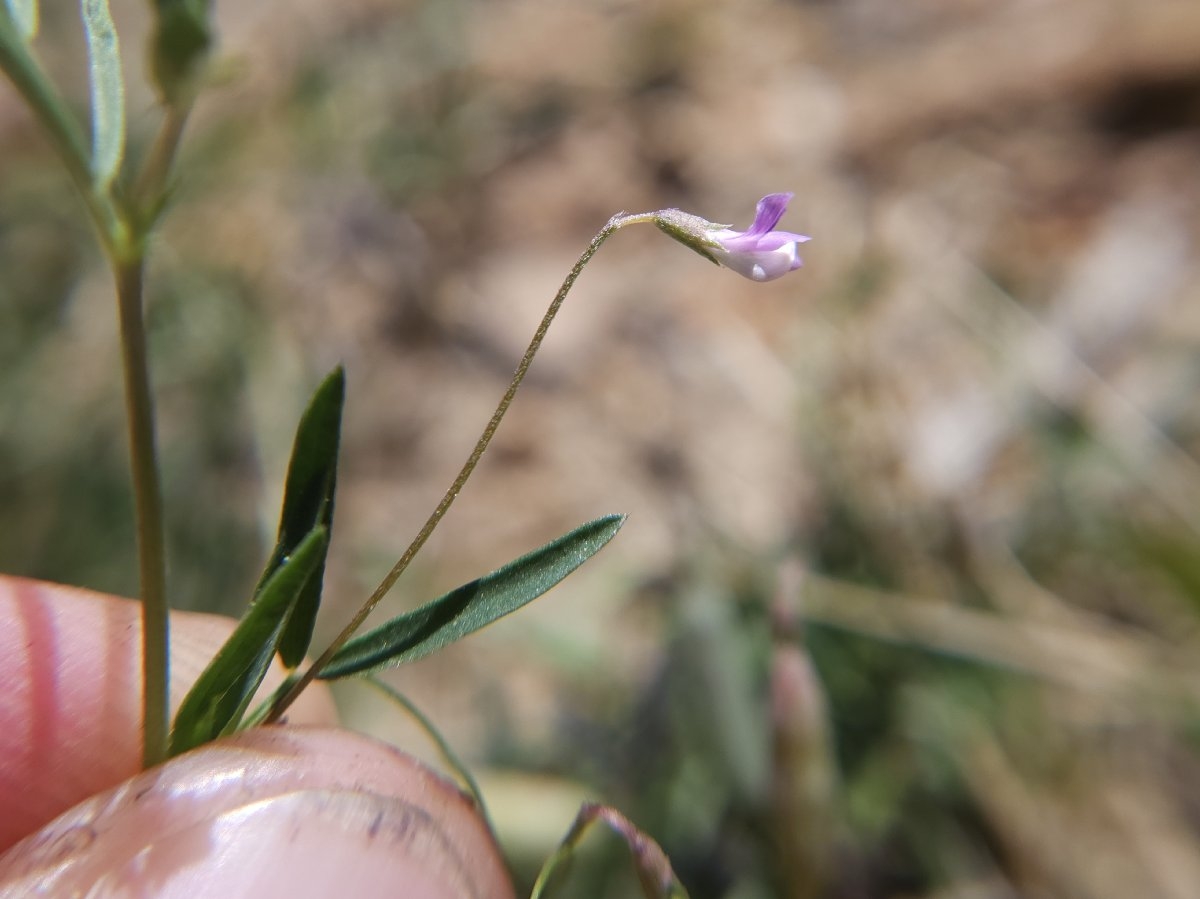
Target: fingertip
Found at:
70, 710
272, 811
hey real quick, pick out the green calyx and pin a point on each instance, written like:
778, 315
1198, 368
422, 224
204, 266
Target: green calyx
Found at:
690, 230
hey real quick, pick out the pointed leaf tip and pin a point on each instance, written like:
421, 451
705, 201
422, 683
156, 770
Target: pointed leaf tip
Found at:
308, 501
474, 605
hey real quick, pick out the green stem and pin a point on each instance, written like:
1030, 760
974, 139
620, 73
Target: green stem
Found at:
122, 229
146, 201
52, 111
445, 750
150, 189
286, 698
149, 514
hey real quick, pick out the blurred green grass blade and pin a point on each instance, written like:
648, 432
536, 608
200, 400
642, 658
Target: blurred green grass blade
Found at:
108, 91
24, 14
472, 606
217, 701
1175, 557
308, 502
655, 874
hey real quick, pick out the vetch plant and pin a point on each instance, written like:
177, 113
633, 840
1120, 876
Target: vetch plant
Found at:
124, 206
693, 231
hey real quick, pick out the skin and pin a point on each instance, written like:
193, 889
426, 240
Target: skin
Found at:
299, 810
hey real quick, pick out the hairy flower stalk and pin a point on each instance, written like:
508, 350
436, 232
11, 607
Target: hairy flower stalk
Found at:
760, 253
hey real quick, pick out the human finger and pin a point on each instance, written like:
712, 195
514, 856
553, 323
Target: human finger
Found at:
71, 706
274, 811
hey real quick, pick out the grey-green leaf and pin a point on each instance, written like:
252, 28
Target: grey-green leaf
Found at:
215, 704
307, 502
472, 606
108, 91
24, 14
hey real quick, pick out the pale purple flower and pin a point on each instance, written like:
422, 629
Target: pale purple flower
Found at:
760, 252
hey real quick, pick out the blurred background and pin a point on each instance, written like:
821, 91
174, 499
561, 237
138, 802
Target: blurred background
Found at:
908, 601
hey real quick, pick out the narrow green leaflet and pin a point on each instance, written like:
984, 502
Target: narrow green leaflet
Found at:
217, 701
108, 91
24, 14
308, 502
472, 606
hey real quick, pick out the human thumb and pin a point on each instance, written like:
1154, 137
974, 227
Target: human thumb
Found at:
292, 812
